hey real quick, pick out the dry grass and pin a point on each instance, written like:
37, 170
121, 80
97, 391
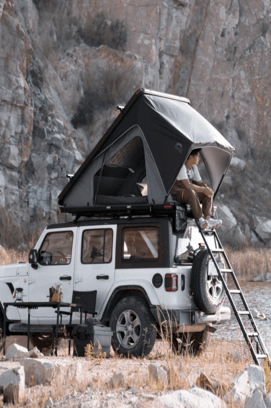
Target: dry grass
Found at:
250, 262
183, 371
10, 256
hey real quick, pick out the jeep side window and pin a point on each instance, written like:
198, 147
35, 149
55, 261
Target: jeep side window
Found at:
97, 246
56, 248
141, 244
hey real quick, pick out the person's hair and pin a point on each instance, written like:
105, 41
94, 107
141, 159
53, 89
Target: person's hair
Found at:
194, 152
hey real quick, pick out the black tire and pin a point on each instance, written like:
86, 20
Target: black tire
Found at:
41, 340
208, 291
129, 339
193, 344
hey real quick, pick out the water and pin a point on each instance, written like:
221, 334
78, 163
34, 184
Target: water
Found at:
258, 296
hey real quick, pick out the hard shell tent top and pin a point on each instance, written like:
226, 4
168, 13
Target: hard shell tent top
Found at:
148, 142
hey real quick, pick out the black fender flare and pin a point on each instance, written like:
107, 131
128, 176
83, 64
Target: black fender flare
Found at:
119, 293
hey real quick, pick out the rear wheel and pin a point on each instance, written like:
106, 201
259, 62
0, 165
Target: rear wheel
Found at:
193, 344
133, 327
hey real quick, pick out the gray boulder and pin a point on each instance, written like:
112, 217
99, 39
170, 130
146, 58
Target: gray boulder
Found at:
194, 398
257, 315
256, 400
45, 372
259, 278
117, 380
262, 226
157, 374
268, 401
244, 385
211, 384
12, 380
238, 163
15, 351
224, 213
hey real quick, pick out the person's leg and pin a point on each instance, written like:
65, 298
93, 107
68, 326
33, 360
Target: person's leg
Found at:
208, 211
207, 205
191, 197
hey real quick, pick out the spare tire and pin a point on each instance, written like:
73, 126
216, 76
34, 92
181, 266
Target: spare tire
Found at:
207, 290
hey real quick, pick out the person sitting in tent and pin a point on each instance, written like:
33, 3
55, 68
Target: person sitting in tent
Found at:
190, 189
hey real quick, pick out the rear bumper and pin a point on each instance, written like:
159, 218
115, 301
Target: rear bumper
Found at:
180, 319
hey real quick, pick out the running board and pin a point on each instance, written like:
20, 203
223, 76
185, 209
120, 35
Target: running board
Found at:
34, 328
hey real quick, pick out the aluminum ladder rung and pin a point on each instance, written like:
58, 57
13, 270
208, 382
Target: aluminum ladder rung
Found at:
235, 291
241, 312
261, 355
217, 250
253, 334
226, 270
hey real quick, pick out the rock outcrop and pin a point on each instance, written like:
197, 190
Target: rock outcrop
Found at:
66, 63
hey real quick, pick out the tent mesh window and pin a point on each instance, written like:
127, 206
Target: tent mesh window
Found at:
119, 176
141, 244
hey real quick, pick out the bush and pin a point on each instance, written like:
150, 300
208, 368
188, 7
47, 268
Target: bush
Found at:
114, 87
91, 101
102, 32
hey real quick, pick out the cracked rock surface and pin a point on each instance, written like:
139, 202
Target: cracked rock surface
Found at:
65, 64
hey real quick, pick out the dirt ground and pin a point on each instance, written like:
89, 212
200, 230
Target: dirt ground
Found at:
222, 361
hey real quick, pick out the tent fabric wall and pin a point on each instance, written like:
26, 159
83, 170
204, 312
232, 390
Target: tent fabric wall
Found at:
84, 194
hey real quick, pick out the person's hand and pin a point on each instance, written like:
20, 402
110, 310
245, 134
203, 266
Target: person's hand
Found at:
208, 191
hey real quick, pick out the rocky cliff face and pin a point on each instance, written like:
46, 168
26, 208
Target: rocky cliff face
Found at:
65, 64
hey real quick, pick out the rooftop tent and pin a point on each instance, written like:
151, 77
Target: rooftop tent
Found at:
147, 143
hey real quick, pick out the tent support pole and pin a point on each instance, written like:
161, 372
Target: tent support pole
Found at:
96, 195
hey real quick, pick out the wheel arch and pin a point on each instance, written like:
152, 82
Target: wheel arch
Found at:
121, 292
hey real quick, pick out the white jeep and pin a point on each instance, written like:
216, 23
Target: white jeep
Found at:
145, 274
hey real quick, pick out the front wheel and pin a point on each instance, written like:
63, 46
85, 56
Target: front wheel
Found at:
193, 344
133, 327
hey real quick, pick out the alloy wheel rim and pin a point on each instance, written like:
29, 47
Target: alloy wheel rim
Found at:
128, 329
214, 286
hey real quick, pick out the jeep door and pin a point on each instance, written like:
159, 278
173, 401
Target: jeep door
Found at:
55, 269
95, 263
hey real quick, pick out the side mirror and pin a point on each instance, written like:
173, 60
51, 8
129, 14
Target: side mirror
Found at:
33, 258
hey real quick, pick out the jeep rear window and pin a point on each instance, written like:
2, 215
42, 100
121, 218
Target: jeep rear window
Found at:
141, 244
56, 248
97, 246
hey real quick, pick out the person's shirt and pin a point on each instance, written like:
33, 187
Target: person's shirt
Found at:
192, 174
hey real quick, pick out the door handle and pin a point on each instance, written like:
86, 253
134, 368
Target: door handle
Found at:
105, 277
65, 278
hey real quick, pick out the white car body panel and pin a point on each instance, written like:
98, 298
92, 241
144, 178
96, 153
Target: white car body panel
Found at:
34, 284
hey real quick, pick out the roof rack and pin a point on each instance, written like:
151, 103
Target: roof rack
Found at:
115, 211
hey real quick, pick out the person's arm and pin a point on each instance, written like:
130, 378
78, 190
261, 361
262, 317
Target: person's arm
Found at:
198, 188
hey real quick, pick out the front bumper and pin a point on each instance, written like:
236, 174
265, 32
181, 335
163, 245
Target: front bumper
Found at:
180, 319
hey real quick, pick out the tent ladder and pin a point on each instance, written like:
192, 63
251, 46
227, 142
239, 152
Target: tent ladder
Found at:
252, 336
